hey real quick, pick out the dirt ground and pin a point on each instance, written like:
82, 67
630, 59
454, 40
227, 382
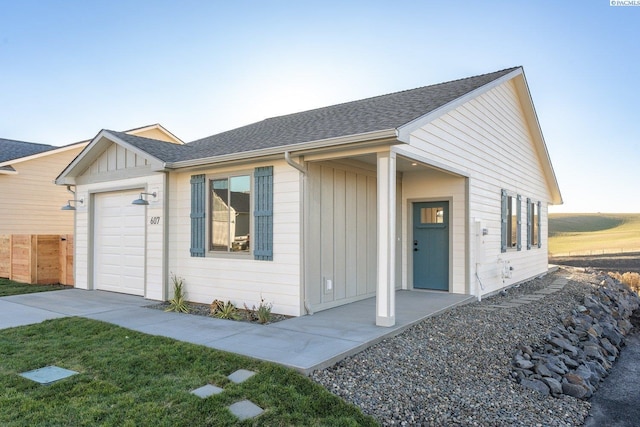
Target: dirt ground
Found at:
620, 263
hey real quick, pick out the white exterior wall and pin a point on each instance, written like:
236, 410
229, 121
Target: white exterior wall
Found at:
436, 186
241, 279
488, 139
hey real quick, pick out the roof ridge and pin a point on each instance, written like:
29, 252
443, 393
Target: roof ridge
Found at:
391, 93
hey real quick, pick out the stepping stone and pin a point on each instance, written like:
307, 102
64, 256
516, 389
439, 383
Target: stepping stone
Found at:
520, 301
561, 282
206, 391
245, 409
508, 305
48, 374
241, 375
532, 297
487, 308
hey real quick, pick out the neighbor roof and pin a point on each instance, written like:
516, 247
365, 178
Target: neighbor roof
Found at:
11, 149
379, 113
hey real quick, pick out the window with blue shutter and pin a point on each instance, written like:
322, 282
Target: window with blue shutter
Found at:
519, 221
198, 212
539, 224
511, 221
503, 222
529, 223
263, 214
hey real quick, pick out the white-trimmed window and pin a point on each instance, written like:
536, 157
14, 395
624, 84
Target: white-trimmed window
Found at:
533, 224
511, 221
230, 214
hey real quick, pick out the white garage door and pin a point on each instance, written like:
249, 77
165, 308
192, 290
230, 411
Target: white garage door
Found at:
119, 243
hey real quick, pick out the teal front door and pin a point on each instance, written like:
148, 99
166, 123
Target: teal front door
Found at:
430, 245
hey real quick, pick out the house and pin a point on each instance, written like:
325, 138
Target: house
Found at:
27, 174
442, 188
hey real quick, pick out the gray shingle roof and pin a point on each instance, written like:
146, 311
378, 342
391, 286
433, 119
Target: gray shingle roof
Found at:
162, 150
379, 113
11, 150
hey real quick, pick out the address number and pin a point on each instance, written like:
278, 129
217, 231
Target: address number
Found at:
154, 220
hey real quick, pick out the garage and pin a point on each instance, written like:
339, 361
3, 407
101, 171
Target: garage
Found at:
119, 244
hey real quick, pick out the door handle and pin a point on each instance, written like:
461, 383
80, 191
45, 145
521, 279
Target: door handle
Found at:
415, 249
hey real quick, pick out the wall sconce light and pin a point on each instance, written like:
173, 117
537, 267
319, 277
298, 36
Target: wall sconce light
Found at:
68, 206
142, 202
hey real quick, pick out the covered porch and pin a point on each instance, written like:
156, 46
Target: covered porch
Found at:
360, 231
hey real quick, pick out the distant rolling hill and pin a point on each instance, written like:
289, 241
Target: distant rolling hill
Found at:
586, 234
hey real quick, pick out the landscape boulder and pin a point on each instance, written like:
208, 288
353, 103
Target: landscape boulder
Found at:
579, 353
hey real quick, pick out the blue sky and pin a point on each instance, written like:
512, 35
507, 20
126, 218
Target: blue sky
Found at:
71, 68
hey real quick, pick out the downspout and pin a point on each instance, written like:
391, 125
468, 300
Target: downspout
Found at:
303, 170
289, 160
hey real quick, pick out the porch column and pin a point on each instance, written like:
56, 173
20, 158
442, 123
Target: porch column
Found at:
386, 228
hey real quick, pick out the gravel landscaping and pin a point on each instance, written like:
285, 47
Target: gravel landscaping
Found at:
456, 368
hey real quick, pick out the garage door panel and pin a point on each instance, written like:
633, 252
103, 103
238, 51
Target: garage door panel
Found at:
119, 243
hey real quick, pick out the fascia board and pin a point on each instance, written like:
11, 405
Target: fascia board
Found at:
538, 138
297, 148
405, 130
155, 126
94, 149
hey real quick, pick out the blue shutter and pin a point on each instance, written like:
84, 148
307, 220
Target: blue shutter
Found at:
529, 223
503, 224
198, 198
539, 223
519, 221
263, 214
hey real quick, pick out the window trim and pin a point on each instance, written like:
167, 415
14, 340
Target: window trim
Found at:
506, 221
532, 208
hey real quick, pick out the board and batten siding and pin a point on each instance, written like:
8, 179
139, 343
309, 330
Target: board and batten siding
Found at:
340, 240
240, 278
489, 139
32, 201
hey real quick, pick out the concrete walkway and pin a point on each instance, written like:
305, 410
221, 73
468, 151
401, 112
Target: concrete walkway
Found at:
304, 343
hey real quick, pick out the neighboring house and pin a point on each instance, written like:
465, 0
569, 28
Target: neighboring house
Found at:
443, 187
30, 197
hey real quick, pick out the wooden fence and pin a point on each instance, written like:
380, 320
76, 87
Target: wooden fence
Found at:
37, 258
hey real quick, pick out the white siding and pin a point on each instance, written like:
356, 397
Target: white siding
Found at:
488, 138
31, 201
241, 279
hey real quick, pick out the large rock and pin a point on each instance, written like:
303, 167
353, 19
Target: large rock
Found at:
578, 354
536, 385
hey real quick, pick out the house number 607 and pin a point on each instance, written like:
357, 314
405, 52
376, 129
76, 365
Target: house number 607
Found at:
154, 220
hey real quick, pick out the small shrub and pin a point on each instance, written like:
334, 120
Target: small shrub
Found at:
264, 311
630, 279
223, 310
178, 303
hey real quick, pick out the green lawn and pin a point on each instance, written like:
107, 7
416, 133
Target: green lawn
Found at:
128, 378
9, 287
593, 233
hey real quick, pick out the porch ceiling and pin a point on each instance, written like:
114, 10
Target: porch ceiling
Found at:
403, 164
